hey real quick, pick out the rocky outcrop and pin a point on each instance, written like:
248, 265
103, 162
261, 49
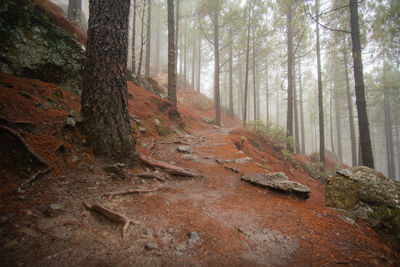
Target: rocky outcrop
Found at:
278, 181
32, 46
152, 86
367, 194
311, 170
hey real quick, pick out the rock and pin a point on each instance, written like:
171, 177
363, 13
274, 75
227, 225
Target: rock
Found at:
151, 245
194, 237
207, 120
184, 149
71, 122
368, 194
117, 169
152, 85
181, 247
243, 160
311, 170
219, 160
161, 129
76, 116
190, 157
278, 181
53, 210
232, 169
142, 129
32, 46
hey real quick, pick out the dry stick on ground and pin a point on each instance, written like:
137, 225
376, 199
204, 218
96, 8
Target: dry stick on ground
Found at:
131, 191
113, 216
169, 168
33, 178
24, 144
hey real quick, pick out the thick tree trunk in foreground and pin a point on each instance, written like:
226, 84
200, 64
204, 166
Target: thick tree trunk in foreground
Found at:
171, 54
217, 101
104, 96
148, 40
320, 98
363, 123
289, 121
350, 109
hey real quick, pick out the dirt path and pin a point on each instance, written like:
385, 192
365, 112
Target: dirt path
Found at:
212, 220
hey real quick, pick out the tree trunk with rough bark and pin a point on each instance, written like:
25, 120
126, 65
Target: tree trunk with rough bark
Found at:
148, 40
104, 97
338, 124
296, 116
246, 76
171, 54
303, 142
363, 123
134, 37
139, 70
199, 62
231, 111
289, 121
217, 101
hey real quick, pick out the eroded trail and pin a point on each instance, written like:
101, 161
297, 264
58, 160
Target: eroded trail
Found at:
211, 220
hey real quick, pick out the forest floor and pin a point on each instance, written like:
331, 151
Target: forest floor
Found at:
212, 219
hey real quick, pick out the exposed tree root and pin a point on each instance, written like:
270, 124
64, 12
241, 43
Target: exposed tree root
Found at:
150, 147
131, 191
28, 148
12, 123
154, 175
33, 178
111, 215
169, 168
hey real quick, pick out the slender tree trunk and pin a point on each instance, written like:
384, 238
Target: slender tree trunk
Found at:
185, 56
157, 60
171, 54
267, 93
240, 100
277, 106
193, 60
320, 97
177, 33
254, 81
363, 123
148, 40
199, 63
296, 116
216, 71
303, 143
398, 152
289, 121
104, 97
134, 37
388, 125
231, 111
142, 40
246, 76
350, 108
331, 120
338, 124
75, 11
130, 37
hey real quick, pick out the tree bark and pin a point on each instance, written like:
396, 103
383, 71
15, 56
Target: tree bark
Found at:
350, 109
338, 124
157, 60
104, 97
148, 40
231, 111
254, 81
267, 93
171, 54
130, 34
303, 143
289, 121
134, 37
185, 56
199, 63
320, 96
193, 60
296, 116
240, 93
246, 76
177, 33
363, 123
331, 119
75, 11
142, 41
388, 125
398, 152
216, 71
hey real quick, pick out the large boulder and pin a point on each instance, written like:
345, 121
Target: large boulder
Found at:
32, 46
367, 194
278, 181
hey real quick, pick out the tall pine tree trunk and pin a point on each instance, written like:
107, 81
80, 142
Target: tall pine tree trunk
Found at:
398, 152
289, 121
171, 54
363, 123
185, 56
217, 101
148, 40
231, 111
240, 88
134, 37
303, 143
338, 124
157, 60
296, 116
104, 97
199, 62
130, 35
193, 60
177, 32
142, 41
267, 93
254, 81
246, 76
350, 108
320, 97
388, 125
331, 119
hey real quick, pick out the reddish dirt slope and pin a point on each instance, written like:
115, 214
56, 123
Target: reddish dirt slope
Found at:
237, 223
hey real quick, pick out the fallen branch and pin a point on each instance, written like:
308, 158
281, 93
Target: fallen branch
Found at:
151, 175
33, 178
24, 144
111, 215
169, 168
131, 191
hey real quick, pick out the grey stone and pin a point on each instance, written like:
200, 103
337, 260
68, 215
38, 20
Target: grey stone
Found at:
208, 120
194, 237
76, 116
219, 160
278, 181
368, 194
53, 210
185, 149
232, 169
311, 170
71, 122
181, 247
151, 245
142, 129
243, 160
117, 169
